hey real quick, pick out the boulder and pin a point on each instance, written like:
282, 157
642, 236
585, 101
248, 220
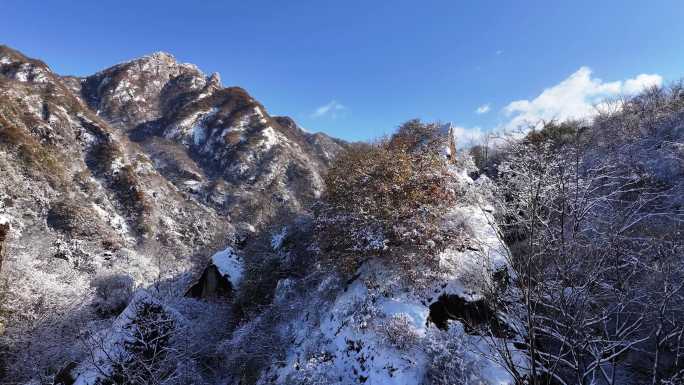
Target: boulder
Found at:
210, 284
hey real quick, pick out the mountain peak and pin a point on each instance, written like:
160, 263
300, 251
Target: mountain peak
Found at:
214, 80
15, 65
161, 55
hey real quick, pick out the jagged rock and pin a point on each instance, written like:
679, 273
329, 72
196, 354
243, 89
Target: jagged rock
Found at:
222, 136
221, 277
210, 284
476, 316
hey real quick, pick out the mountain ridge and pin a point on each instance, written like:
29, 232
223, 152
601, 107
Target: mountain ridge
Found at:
96, 183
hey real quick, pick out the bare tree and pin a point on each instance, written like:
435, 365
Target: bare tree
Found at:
580, 231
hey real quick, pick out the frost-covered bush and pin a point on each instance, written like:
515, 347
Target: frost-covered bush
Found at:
363, 312
253, 347
138, 348
261, 275
260, 343
449, 359
591, 214
399, 331
112, 293
44, 306
311, 377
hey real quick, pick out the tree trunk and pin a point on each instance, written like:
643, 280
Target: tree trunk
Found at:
4, 230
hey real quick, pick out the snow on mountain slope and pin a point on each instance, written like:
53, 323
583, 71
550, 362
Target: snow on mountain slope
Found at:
91, 193
227, 137
229, 265
134, 178
378, 328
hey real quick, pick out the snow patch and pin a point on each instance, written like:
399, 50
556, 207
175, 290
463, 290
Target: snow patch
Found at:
260, 114
193, 126
230, 265
270, 138
110, 345
21, 76
199, 135
117, 164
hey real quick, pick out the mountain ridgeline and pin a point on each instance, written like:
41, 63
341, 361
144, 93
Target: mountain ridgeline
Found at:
149, 161
158, 228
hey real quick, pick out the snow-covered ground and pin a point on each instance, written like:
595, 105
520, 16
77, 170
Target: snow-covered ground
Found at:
230, 265
376, 329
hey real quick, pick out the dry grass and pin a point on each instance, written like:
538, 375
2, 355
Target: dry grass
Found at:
39, 161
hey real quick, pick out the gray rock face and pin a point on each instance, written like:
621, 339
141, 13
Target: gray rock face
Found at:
153, 134
226, 150
69, 171
142, 90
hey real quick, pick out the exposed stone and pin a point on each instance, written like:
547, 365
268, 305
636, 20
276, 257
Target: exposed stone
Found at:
477, 316
211, 284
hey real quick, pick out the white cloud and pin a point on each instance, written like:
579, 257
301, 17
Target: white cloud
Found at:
332, 109
483, 109
573, 98
639, 83
467, 136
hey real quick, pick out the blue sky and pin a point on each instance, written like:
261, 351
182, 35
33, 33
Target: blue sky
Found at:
356, 69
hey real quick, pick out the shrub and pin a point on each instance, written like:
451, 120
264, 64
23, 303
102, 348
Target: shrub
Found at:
416, 136
112, 293
399, 331
261, 276
131, 194
40, 161
554, 133
138, 350
386, 199
72, 218
451, 358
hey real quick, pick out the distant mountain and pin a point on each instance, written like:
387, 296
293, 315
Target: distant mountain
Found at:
225, 147
145, 169
178, 135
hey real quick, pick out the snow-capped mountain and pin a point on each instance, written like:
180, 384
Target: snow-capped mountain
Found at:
145, 168
210, 140
131, 203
